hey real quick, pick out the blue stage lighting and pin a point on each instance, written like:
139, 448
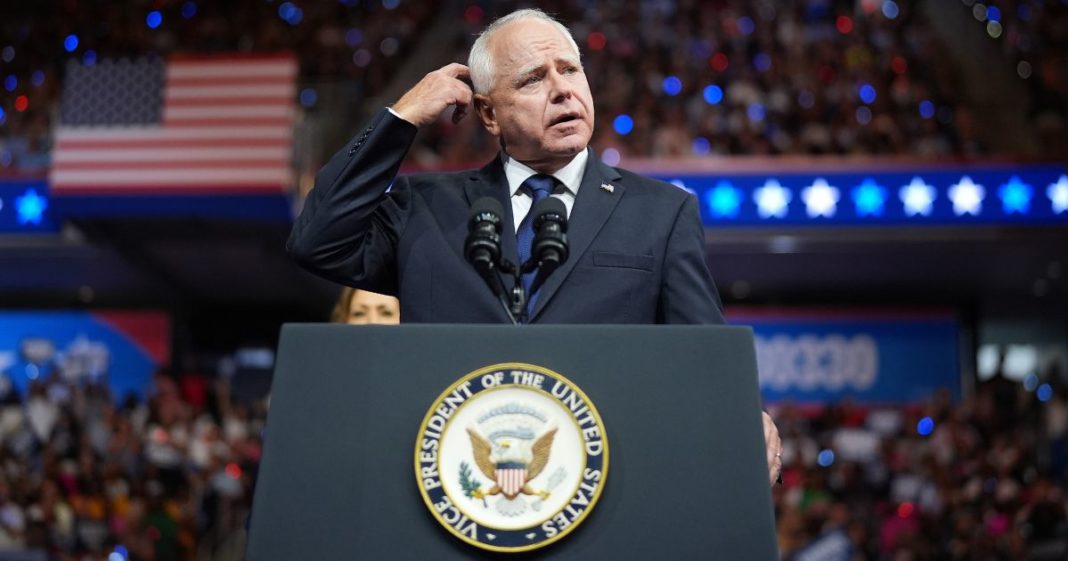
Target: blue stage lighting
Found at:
623, 124
927, 109
869, 198
672, 85
724, 200
890, 9
746, 25
70, 43
867, 93
925, 427
1044, 393
772, 199
189, 9
756, 112
154, 19
1016, 196
701, 146
30, 207
825, 458
713, 94
762, 62
11, 83
308, 97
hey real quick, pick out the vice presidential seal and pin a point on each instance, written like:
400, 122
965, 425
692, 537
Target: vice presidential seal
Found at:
511, 458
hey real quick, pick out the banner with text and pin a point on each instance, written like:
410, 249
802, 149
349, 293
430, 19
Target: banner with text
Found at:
820, 356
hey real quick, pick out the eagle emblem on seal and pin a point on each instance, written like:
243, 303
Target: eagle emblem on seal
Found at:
511, 462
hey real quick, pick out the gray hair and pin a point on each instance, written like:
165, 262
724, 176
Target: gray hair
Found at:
480, 61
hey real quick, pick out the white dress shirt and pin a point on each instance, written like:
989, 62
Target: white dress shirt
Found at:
570, 176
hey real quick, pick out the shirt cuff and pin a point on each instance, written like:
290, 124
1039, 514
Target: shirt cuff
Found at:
397, 115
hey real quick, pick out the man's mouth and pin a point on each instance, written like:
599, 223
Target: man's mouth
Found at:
565, 118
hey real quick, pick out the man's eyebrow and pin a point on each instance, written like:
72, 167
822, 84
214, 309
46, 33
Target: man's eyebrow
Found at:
529, 69
534, 68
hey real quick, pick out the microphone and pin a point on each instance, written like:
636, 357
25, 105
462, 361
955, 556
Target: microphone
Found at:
550, 247
482, 248
483, 245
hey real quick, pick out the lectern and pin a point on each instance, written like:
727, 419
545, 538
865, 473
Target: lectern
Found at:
679, 408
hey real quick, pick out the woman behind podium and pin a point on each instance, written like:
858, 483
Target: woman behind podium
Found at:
363, 307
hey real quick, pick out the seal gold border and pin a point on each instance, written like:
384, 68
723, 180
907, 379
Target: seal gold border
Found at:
474, 375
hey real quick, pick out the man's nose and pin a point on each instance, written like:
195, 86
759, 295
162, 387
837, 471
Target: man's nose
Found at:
560, 88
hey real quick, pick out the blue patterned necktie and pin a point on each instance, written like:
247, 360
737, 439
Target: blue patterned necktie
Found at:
539, 186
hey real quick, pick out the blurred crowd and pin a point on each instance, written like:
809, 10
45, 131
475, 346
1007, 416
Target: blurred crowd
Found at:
670, 78
1034, 34
352, 41
979, 479
166, 479
680, 79
983, 479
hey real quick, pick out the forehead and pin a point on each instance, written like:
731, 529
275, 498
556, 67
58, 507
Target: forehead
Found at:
528, 42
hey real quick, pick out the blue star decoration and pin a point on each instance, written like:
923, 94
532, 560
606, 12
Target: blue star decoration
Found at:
1016, 196
30, 207
869, 198
1058, 195
724, 199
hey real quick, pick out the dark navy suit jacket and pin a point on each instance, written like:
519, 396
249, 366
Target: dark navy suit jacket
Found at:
637, 249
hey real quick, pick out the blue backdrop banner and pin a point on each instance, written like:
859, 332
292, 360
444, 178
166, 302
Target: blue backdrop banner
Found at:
824, 356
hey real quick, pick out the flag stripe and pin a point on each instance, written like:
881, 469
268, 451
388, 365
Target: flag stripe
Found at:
227, 101
272, 91
165, 176
195, 81
249, 163
193, 113
231, 69
141, 134
221, 142
236, 122
167, 154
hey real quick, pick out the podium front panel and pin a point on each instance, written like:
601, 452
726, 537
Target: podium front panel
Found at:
680, 404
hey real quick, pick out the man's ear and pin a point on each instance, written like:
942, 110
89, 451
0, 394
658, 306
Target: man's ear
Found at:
486, 114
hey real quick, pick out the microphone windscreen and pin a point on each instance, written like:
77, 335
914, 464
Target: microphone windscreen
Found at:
550, 208
486, 209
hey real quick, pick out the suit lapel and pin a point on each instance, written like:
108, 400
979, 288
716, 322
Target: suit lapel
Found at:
491, 182
593, 206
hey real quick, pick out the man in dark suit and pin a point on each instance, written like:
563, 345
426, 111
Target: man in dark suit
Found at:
637, 246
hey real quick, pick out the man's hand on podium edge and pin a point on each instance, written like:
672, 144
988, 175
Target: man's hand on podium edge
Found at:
434, 94
773, 444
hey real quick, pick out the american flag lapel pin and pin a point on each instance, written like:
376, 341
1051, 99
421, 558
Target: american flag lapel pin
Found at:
608, 187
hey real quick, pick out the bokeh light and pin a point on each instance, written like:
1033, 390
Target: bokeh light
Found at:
925, 427
713, 94
596, 40
844, 24
610, 156
672, 85
927, 109
866, 93
623, 124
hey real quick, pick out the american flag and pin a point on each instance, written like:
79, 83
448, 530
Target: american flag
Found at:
221, 124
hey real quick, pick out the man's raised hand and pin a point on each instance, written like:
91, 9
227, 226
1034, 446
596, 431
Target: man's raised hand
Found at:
434, 94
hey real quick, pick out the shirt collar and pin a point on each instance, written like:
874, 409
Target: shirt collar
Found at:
570, 175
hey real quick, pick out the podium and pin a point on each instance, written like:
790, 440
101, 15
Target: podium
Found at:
680, 407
